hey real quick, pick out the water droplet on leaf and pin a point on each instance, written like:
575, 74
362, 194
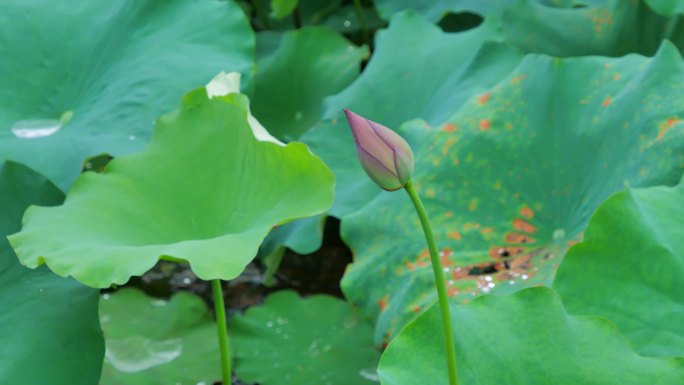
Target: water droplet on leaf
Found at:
135, 354
558, 234
35, 128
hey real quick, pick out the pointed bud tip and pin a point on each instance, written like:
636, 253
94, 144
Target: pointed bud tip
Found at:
386, 156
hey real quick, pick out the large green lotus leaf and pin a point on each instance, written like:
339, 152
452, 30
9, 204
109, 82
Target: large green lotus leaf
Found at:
50, 332
562, 27
204, 191
526, 338
416, 71
81, 78
630, 268
152, 341
314, 340
511, 180
289, 86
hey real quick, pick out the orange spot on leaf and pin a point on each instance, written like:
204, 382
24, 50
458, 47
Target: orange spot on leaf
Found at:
449, 127
444, 256
423, 260
524, 226
459, 273
607, 102
665, 126
497, 252
518, 238
449, 142
485, 124
470, 225
455, 235
383, 302
518, 79
482, 99
527, 212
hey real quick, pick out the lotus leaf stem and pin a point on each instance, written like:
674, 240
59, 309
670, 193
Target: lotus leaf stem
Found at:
670, 27
362, 20
222, 326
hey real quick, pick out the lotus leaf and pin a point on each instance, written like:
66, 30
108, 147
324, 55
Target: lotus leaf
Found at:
78, 79
314, 340
630, 268
50, 331
204, 191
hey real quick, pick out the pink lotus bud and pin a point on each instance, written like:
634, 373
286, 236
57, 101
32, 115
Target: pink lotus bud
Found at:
386, 157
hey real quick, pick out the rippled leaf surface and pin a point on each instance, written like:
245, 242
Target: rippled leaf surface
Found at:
633, 258
204, 191
511, 180
314, 340
154, 341
50, 332
525, 338
79, 79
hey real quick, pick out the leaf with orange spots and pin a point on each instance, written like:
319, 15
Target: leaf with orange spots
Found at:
407, 78
532, 187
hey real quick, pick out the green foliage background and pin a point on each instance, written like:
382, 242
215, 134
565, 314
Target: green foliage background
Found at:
549, 146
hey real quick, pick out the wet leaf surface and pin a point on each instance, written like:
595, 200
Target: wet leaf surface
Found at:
157, 341
318, 339
77, 94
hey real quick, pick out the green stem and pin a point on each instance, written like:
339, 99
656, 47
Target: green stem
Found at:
362, 20
261, 14
221, 325
671, 26
272, 263
439, 280
297, 17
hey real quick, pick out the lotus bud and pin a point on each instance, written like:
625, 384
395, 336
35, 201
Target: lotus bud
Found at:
386, 157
